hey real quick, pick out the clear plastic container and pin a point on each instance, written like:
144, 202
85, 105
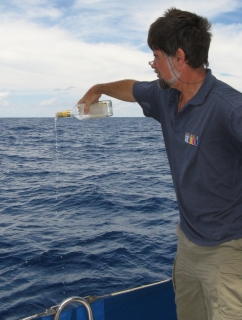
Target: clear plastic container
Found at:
100, 109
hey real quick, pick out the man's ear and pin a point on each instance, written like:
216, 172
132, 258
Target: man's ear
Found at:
180, 57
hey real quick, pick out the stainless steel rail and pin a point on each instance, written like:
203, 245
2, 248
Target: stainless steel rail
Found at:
72, 300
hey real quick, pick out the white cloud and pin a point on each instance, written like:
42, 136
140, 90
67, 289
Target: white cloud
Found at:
3, 99
226, 54
4, 103
137, 15
47, 102
31, 9
37, 59
4, 94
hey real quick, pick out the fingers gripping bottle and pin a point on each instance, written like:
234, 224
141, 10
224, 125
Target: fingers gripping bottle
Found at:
100, 109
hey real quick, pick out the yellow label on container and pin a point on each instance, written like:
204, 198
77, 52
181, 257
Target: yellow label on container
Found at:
63, 114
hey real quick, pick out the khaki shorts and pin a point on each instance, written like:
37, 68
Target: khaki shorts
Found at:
208, 280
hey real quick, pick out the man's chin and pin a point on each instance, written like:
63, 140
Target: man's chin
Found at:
163, 84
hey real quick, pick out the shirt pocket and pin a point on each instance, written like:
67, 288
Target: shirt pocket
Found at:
230, 289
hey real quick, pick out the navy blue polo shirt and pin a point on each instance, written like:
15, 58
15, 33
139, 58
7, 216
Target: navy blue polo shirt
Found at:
204, 148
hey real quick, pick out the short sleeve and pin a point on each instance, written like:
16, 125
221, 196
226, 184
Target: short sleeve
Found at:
147, 94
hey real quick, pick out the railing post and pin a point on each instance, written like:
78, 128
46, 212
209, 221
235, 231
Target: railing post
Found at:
71, 300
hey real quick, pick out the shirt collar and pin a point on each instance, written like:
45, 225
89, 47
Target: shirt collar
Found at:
204, 90
200, 96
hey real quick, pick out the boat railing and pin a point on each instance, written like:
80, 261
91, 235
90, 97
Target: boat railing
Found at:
56, 310
72, 300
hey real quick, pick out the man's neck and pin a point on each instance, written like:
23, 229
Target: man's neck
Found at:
188, 84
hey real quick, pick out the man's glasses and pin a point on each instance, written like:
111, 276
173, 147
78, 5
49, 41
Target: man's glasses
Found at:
151, 63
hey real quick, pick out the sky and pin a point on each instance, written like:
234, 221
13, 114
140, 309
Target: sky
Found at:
53, 51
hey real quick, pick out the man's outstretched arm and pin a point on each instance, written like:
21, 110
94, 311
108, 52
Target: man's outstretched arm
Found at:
122, 90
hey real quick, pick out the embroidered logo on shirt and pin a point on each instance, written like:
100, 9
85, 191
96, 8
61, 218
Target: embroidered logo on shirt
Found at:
191, 139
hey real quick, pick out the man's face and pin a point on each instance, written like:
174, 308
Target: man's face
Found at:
163, 68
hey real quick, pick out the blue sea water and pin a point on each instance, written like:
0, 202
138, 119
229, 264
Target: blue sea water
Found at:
86, 208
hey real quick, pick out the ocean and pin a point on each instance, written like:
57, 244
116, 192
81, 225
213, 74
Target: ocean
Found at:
87, 208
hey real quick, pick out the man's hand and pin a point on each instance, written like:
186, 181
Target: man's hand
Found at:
91, 96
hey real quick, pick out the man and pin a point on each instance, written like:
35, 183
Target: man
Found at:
201, 120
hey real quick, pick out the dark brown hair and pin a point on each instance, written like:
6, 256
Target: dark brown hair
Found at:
185, 30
